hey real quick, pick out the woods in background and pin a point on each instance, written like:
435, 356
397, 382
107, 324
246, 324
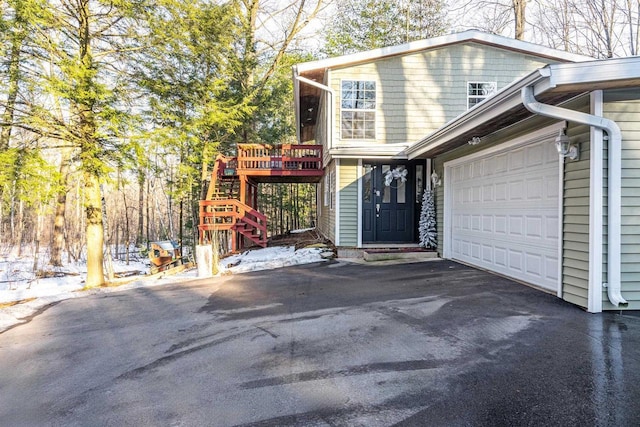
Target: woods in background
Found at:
112, 111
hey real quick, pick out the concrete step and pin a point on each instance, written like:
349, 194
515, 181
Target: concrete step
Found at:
400, 253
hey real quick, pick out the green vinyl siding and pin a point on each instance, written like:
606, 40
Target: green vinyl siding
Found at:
348, 194
326, 215
623, 107
575, 221
419, 92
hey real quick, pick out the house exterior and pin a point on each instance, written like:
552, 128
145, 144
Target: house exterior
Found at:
509, 203
478, 117
367, 108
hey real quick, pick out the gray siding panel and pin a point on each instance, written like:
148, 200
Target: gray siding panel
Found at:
326, 215
575, 245
623, 106
348, 193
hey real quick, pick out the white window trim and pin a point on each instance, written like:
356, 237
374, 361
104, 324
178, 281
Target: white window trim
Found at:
326, 187
375, 111
332, 188
469, 97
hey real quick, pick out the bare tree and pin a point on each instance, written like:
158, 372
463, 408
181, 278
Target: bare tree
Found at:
519, 9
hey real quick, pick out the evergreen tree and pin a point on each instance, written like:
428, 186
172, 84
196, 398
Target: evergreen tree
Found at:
423, 19
369, 24
84, 96
364, 24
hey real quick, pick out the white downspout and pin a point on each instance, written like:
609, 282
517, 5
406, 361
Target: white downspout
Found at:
331, 93
614, 181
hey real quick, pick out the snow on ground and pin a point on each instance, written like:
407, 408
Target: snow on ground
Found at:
269, 258
17, 282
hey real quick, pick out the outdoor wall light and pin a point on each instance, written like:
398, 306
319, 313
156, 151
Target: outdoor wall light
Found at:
435, 180
474, 141
564, 146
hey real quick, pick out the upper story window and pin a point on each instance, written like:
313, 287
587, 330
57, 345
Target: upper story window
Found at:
479, 91
358, 112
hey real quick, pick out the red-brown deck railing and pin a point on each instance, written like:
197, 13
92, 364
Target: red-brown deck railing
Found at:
287, 159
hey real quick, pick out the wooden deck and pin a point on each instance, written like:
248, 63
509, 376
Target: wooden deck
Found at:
285, 163
231, 201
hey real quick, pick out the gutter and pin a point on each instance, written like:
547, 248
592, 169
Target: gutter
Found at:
331, 93
612, 129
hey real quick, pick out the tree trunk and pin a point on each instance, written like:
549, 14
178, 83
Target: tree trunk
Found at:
95, 232
57, 243
141, 179
147, 212
13, 73
519, 7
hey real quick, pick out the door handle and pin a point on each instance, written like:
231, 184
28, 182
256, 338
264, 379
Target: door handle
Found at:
377, 208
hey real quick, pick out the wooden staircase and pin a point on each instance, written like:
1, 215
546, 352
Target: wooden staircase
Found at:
235, 216
230, 204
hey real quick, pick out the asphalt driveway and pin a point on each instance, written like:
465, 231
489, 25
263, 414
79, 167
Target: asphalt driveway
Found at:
433, 343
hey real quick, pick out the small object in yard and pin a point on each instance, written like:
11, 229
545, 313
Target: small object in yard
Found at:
164, 255
233, 264
327, 255
317, 245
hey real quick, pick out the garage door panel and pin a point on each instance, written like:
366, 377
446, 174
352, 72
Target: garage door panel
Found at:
516, 160
535, 189
534, 156
551, 227
504, 213
534, 227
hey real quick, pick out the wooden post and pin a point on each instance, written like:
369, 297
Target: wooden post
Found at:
255, 196
243, 189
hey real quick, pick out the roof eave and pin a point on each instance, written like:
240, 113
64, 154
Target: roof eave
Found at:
436, 42
373, 151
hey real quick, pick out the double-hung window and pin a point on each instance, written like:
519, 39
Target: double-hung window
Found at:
358, 109
479, 91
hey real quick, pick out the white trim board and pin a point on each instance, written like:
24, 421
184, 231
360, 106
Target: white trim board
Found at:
560, 222
594, 304
359, 175
337, 201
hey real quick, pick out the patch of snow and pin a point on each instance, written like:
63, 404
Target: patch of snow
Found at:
17, 281
269, 258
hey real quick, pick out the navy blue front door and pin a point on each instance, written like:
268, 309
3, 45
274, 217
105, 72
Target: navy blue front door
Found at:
388, 210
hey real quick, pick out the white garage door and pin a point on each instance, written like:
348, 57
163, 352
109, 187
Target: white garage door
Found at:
503, 211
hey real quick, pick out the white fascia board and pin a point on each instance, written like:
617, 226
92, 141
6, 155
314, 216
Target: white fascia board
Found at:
606, 70
504, 100
370, 151
420, 45
296, 101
